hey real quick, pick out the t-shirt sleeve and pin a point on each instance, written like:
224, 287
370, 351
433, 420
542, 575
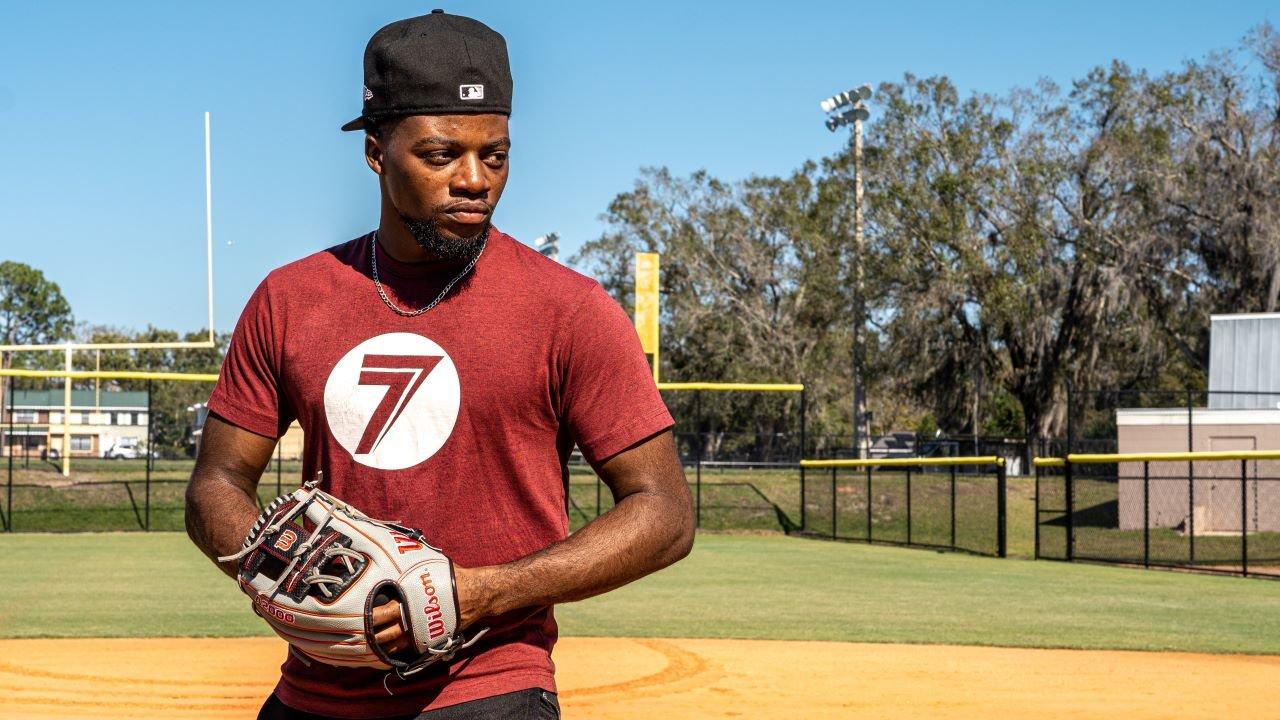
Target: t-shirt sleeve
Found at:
609, 400
248, 391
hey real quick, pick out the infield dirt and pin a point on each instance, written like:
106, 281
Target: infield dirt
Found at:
625, 679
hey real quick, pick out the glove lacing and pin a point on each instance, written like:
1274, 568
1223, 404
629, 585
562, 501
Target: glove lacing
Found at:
312, 494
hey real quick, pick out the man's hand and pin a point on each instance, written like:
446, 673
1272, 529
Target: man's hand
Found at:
390, 632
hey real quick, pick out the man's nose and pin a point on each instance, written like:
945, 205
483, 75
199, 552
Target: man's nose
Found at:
470, 178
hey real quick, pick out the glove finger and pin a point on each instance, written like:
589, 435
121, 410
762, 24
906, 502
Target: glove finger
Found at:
387, 613
392, 639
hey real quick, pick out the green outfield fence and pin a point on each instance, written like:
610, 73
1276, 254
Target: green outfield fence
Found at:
1214, 512
936, 503
945, 503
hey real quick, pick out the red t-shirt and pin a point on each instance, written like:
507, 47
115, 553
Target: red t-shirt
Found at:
459, 421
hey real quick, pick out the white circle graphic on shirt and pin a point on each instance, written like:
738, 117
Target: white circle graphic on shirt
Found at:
392, 400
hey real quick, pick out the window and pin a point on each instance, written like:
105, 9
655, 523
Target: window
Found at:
82, 443
24, 416
55, 418
142, 418
84, 418
124, 418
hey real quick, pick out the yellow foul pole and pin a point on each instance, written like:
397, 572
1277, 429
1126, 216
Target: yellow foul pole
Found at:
647, 306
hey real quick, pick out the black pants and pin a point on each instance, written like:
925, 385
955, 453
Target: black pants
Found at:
531, 704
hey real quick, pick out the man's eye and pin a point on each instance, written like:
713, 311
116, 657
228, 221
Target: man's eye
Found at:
496, 159
438, 157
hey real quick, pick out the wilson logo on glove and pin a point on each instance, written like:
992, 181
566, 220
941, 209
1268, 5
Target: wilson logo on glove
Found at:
286, 540
435, 628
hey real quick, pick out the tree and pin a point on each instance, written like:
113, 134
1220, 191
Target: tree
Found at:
752, 287
1007, 227
1215, 244
32, 308
32, 312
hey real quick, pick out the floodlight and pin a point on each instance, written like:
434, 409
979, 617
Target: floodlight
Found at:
548, 245
864, 91
833, 123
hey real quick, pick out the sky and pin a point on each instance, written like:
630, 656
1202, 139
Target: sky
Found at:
102, 115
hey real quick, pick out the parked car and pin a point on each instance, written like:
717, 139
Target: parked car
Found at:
123, 449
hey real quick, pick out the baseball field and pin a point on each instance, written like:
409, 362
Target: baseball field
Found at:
750, 625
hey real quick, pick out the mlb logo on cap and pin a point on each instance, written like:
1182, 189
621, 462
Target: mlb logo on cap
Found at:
471, 92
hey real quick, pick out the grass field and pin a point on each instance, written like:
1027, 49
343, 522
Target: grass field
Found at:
732, 586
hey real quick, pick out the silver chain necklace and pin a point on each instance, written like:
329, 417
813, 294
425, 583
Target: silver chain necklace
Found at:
373, 254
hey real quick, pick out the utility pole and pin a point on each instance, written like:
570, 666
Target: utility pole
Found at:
848, 108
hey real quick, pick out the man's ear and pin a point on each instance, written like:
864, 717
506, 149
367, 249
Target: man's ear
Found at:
373, 153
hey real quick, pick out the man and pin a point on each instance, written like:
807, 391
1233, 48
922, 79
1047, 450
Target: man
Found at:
443, 373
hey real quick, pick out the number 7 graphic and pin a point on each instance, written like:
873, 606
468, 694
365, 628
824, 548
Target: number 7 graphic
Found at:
402, 375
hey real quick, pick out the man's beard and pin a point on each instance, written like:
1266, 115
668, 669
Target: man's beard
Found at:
427, 233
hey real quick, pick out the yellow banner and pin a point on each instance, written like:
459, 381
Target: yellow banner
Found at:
647, 300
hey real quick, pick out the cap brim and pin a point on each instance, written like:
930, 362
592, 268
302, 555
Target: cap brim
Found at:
357, 124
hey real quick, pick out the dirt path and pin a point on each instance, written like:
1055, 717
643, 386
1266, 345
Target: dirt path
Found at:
625, 679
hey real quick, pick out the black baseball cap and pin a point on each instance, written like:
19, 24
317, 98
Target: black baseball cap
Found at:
437, 64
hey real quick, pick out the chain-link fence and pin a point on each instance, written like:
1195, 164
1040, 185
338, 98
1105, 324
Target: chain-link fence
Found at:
1165, 478
1213, 512
943, 503
109, 454
727, 496
116, 495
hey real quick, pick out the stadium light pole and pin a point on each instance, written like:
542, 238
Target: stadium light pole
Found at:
849, 108
549, 245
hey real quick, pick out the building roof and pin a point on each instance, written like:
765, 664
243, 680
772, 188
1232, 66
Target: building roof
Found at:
80, 399
1199, 416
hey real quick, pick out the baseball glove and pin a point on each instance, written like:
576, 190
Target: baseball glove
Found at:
316, 568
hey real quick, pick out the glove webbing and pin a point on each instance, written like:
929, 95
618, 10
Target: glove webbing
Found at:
312, 494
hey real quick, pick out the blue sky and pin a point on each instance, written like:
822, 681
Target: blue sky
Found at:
101, 114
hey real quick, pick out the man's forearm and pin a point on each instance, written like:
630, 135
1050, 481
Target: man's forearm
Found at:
644, 532
219, 515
